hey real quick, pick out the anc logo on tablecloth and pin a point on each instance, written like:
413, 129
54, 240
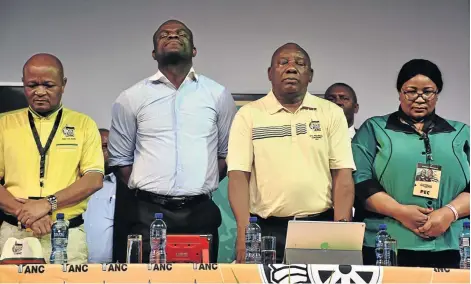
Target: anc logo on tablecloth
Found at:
301, 273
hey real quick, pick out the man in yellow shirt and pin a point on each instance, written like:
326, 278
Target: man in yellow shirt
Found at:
289, 155
50, 159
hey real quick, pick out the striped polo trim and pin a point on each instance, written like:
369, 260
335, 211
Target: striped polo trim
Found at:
301, 128
271, 132
277, 131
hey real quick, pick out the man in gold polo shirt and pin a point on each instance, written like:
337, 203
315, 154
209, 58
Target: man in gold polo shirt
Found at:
289, 155
51, 161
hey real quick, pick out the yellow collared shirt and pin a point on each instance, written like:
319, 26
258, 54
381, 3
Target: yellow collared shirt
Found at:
74, 151
289, 155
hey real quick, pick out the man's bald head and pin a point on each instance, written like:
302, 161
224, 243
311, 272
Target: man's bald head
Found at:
45, 59
44, 82
290, 45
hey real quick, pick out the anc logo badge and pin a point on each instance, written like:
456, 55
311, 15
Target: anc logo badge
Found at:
322, 274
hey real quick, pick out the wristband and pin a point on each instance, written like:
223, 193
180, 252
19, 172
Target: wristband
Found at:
453, 209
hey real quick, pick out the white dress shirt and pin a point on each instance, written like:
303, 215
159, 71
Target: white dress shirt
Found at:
173, 137
352, 131
99, 219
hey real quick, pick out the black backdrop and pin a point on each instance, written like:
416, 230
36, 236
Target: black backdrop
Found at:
11, 98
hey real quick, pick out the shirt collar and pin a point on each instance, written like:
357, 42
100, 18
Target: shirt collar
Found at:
440, 125
273, 105
352, 131
160, 77
52, 115
111, 178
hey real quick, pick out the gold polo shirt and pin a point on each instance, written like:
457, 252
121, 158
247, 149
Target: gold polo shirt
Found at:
74, 151
289, 155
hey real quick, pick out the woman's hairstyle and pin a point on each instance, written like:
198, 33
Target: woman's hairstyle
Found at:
419, 67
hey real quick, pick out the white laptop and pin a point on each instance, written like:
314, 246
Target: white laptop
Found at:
312, 242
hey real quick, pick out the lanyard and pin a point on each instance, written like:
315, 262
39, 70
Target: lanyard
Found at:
424, 136
428, 148
43, 150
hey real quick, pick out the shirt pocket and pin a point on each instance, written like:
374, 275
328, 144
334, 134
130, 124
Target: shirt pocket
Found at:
67, 147
65, 156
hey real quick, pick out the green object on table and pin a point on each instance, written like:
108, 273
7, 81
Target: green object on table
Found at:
228, 229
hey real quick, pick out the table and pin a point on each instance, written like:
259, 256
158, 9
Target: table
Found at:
226, 273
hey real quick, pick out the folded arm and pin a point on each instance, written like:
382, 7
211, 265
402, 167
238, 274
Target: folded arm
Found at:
8, 203
461, 204
122, 138
440, 220
91, 168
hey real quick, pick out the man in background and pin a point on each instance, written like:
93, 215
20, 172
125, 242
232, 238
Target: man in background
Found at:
289, 155
51, 160
99, 216
344, 96
168, 142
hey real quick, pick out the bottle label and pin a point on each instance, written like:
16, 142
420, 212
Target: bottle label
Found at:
59, 234
465, 242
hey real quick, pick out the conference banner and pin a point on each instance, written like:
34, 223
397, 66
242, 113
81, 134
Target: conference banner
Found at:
226, 273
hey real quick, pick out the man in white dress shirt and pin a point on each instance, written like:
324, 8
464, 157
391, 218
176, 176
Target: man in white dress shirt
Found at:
100, 213
168, 144
344, 96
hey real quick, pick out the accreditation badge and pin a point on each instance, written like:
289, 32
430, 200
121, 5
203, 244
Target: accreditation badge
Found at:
427, 180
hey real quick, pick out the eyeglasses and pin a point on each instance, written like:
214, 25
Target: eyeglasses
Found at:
413, 95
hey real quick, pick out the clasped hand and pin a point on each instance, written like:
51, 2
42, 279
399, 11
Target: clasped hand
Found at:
33, 214
425, 222
438, 222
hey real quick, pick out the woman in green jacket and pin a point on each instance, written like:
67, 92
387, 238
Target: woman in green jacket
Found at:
413, 173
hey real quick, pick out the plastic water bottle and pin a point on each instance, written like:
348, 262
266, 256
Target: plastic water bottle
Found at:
59, 240
464, 246
383, 257
158, 240
253, 242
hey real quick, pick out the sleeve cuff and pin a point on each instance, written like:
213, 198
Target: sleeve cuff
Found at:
120, 162
339, 165
239, 168
222, 155
365, 189
93, 171
466, 189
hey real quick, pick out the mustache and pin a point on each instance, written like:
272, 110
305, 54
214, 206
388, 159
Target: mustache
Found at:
173, 40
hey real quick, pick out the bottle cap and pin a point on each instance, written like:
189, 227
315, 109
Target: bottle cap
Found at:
159, 216
253, 219
466, 224
60, 216
383, 227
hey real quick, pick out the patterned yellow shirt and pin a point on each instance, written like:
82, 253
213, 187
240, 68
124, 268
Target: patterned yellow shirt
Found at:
74, 151
289, 155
